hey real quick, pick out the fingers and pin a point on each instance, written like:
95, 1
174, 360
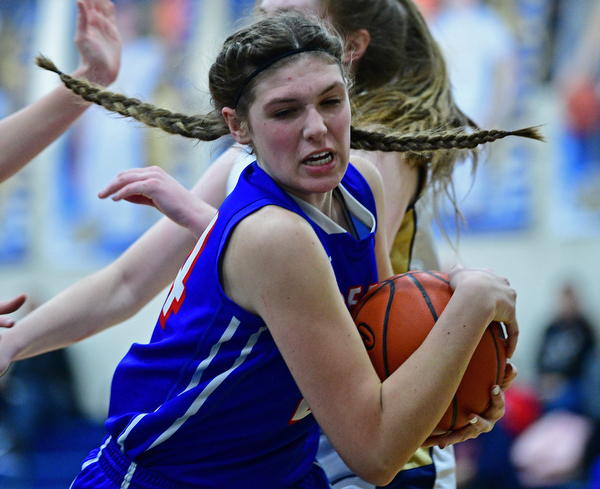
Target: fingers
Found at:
510, 373
124, 179
497, 407
6, 307
478, 424
108, 8
481, 423
98, 41
6, 322
137, 192
139, 186
82, 17
11, 305
512, 330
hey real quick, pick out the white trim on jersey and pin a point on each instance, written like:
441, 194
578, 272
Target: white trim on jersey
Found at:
445, 467
209, 389
97, 457
359, 211
195, 381
129, 475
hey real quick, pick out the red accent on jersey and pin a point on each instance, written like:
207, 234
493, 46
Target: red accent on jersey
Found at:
176, 294
354, 295
301, 412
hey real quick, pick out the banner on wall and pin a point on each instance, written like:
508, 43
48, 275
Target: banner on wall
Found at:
493, 72
575, 203
16, 21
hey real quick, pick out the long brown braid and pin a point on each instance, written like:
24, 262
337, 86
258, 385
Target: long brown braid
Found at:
205, 128
245, 52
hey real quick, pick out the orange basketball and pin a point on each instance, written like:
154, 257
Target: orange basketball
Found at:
396, 316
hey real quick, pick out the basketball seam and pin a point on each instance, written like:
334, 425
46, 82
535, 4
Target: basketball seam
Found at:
435, 275
385, 329
435, 318
497, 354
454, 412
425, 297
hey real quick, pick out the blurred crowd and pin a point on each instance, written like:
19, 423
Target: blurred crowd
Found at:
550, 434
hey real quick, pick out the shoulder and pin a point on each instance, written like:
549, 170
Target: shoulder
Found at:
271, 228
368, 170
371, 174
268, 251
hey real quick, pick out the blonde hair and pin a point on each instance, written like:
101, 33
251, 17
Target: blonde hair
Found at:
401, 81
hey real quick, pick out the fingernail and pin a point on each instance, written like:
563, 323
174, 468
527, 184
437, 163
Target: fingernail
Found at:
496, 390
474, 420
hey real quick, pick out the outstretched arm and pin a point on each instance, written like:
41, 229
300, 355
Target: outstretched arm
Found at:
121, 289
24, 134
101, 300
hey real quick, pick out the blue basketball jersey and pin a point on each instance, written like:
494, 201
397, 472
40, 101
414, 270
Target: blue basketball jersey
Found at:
210, 402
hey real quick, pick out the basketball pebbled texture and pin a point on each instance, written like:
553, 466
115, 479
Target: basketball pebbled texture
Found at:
396, 316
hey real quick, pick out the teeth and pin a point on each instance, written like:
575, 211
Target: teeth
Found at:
319, 159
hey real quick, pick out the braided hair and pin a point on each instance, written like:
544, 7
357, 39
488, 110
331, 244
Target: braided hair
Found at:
248, 54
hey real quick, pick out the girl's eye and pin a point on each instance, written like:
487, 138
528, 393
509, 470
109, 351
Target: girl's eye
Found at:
283, 113
332, 101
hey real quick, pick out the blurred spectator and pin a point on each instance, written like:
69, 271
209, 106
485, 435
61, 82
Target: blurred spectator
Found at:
567, 19
568, 344
428, 7
550, 434
577, 83
558, 449
484, 462
481, 51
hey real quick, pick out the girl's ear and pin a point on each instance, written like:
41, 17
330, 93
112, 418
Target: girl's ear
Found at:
237, 127
357, 43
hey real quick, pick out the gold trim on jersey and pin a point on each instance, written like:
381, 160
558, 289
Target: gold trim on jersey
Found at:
421, 458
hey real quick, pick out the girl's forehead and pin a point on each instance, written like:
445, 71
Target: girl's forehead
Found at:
309, 75
271, 6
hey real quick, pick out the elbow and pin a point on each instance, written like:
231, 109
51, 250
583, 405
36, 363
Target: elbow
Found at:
379, 475
379, 469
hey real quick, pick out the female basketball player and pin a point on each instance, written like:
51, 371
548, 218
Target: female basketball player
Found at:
29, 131
408, 91
254, 344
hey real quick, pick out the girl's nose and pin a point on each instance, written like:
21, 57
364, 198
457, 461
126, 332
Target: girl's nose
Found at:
314, 126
